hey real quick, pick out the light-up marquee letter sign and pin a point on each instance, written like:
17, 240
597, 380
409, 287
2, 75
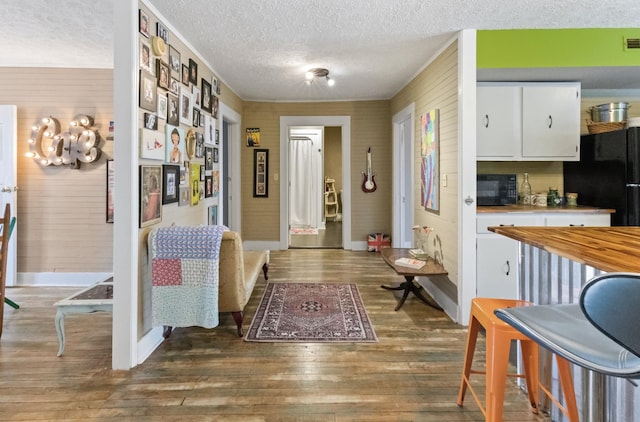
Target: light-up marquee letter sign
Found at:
78, 144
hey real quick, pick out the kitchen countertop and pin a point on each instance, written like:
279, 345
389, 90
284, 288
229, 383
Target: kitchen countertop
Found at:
530, 208
605, 248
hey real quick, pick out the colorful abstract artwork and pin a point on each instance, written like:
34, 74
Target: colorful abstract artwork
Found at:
429, 162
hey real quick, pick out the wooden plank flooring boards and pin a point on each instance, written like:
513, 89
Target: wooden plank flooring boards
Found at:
412, 374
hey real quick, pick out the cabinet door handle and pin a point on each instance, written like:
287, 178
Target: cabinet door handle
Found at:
486, 120
550, 121
507, 225
508, 267
576, 225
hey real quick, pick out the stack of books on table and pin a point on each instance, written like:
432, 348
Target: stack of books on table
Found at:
418, 254
411, 263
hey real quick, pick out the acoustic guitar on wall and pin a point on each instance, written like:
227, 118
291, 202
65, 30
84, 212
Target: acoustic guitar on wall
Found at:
368, 177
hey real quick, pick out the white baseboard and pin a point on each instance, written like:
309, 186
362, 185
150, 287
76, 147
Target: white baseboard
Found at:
450, 307
60, 279
358, 246
149, 343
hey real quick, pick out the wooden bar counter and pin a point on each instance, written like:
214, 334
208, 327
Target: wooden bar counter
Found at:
605, 248
555, 263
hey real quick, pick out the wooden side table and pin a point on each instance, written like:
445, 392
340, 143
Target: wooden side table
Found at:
95, 298
430, 268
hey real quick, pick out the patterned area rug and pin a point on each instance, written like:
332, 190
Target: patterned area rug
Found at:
296, 230
311, 312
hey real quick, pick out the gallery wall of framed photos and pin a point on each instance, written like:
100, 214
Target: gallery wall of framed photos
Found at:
178, 128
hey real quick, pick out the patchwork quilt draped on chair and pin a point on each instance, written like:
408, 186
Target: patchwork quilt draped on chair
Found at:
184, 275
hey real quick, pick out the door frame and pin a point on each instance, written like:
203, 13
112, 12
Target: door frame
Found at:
9, 145
403, 167
345, 123
234, 121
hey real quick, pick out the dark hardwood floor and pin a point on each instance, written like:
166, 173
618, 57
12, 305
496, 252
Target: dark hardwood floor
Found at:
412, 374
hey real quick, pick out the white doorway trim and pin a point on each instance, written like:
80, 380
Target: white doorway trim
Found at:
345, 123
234, 197
403, 147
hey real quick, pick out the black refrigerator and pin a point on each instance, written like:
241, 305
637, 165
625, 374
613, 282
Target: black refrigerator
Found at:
608, 174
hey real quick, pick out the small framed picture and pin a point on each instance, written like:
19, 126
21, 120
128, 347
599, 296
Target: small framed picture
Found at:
199, 145
145, 56
186, 109
148, 91
185, 74
174, 60
206, 96
151, 145
193, 71
150, 121
170, 183
260, 172
173, 110
208, 158
175, 85
215, 85
196, 117
217, 137
195, 92
143, 23
162, 106
162, 71
208, 186
214, 106
202, 173
162, 32
150, 195
216, 156
185, 195
212, 215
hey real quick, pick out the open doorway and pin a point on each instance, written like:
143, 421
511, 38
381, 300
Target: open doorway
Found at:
315, 186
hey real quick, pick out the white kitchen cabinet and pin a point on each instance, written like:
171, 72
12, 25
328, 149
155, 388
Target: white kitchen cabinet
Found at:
498, 127
551, 121
498, 257
528, 121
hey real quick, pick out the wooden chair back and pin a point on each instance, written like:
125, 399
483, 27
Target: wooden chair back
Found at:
4, 251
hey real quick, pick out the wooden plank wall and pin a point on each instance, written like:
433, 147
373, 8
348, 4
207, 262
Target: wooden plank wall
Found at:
370, 126
437, 87
61, 212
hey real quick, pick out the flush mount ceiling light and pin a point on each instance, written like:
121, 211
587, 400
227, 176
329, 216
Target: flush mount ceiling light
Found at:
318, 72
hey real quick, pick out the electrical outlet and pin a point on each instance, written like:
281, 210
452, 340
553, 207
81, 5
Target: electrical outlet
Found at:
444, 181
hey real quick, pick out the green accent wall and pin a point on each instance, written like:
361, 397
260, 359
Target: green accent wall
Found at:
531, 48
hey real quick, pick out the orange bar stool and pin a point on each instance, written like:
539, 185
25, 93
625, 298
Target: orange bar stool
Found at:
498, 340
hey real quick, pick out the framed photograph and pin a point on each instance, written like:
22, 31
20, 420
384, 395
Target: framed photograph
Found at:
217, 137
143, 23
150, 195
173, 110
185, 74
185, 195
162, 32
145, 55
430, 161
186, 109
162, 71
206, 96
215, 86
148, 91
194, 172
260, 172
208, 186
212, 215
215, 175
196, 117
110, 185
195, 92
199, 145
216, 157
174, 61
170, 183
193, 71
174, 139
162, 106
175, 86
208, 128
208, 158
202, 172
150, 121
151, 144
214, 106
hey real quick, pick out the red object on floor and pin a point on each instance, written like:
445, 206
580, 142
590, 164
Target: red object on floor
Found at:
377, 241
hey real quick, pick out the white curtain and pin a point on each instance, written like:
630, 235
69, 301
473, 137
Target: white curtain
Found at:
301, 183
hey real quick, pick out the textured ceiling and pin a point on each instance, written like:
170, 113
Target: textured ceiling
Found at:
261, 48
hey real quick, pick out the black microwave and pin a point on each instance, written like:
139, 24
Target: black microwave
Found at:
497, 189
